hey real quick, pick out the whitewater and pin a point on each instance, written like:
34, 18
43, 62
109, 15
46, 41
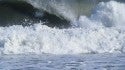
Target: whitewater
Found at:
102, 32
95, 42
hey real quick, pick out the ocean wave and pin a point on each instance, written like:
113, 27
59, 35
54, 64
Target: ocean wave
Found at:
102, 32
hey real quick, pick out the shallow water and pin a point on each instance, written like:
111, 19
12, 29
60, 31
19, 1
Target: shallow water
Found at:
63, 62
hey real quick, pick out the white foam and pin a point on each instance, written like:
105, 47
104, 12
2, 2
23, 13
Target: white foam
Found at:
110, 14
92, 36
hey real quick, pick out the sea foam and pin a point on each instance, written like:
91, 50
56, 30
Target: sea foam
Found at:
103, 32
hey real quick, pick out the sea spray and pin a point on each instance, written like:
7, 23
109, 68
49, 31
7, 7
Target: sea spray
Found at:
91, 35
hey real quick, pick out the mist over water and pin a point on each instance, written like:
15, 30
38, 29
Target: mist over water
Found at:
67, 9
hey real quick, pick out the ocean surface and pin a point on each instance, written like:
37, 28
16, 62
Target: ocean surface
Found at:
63, 62
62, 35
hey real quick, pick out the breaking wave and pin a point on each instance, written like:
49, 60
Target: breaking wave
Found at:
102, 32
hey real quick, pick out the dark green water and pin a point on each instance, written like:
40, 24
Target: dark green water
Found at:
15, 13
22, 13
